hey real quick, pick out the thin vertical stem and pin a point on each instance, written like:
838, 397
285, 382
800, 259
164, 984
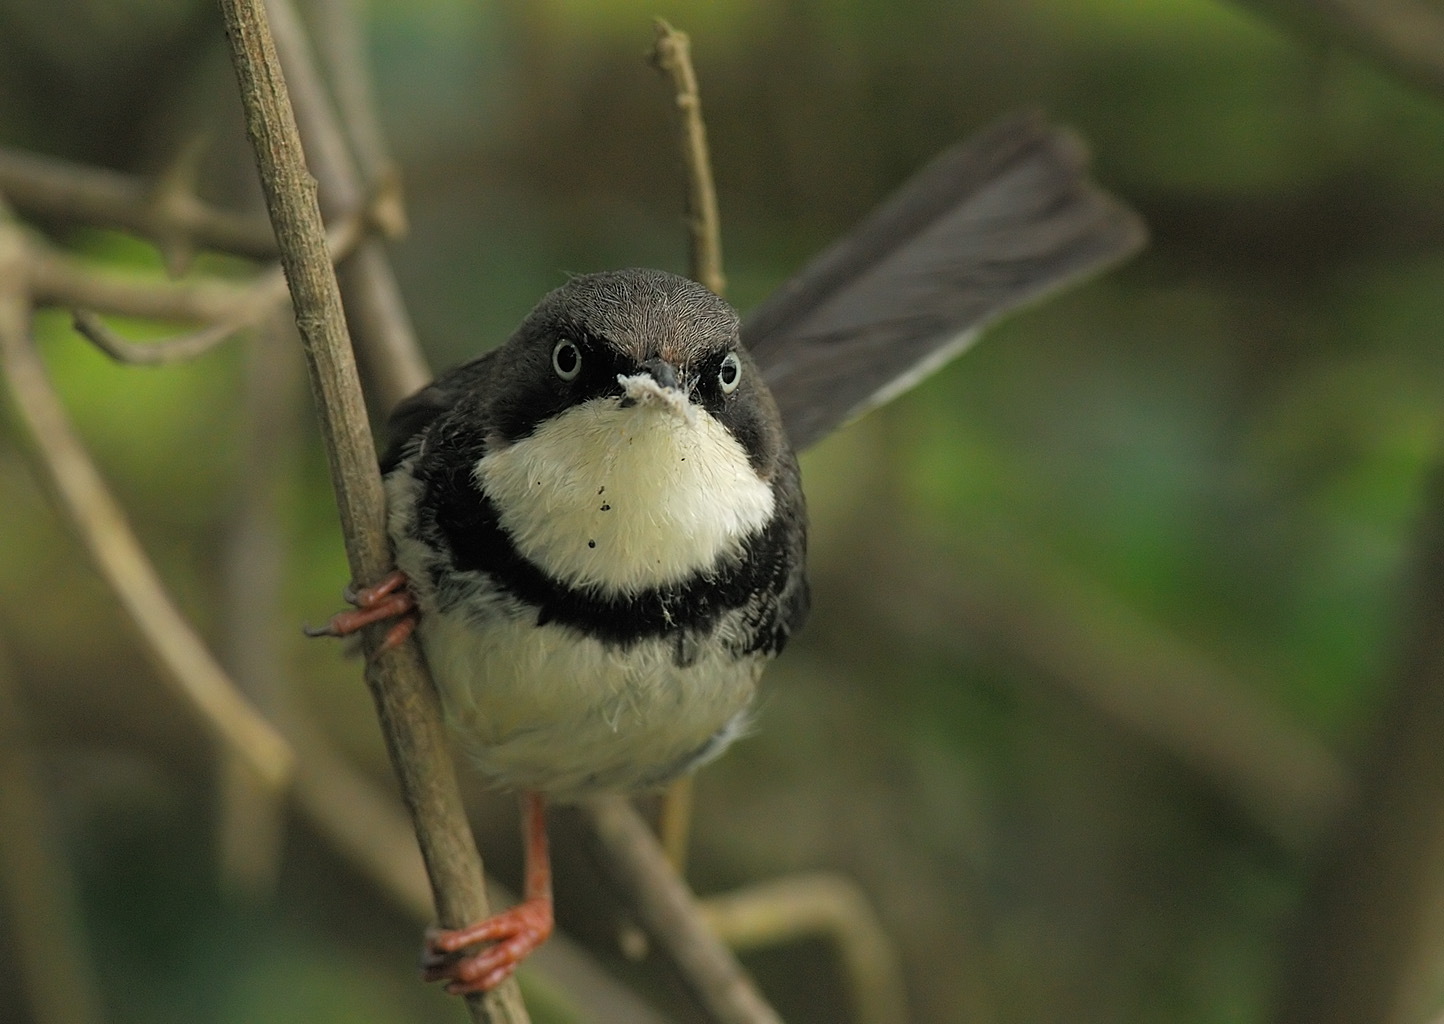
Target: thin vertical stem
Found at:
406, 701
673, 57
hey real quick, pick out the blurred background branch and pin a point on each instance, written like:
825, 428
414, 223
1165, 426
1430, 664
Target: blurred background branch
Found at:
1200, 475
406, 702
1406, 37
61, 458
1370, 932
37, 886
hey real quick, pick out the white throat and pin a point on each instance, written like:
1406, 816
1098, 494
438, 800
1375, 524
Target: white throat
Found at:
626, 498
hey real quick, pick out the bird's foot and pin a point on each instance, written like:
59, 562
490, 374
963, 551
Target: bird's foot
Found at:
516, 933
388, 599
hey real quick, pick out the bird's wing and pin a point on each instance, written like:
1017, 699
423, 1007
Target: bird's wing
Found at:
989, 225
413, 415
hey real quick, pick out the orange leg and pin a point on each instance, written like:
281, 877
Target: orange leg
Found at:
516, 932
386, 600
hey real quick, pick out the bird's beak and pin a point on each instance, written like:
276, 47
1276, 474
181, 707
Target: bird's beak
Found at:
656, 385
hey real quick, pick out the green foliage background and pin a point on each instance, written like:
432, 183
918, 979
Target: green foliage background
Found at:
1219, 446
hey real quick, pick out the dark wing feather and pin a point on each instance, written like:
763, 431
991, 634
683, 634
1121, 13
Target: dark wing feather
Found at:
990, 224
412, 416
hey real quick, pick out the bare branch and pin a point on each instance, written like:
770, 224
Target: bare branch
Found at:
253, 573
806, 906
101, 525
674, 823
342, 47
56, 279
673, 56
47, 187
376, 313
173, 350
259, 301
668, 912
368, 827
405, 699
1406, 37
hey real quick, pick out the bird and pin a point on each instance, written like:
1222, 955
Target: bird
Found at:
599, 526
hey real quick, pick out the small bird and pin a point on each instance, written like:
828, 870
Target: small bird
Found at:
599, 527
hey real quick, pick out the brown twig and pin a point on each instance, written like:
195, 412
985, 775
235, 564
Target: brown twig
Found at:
101, 526
405, 699
259, 301
673, 57
667, 910
371, 830
674, 822
376, 313
804, 906
249, 836
1406, 37
177, 349
342, 47
53, 963
47, 187
57, 279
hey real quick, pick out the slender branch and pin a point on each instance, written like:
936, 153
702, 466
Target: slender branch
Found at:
667, 910
342, 47
47, 187
52, 962
56, 279
802, 906
177, 349
101, 525
674, 822
376, 313
673, 57
369, 828
405, 699
258, 302
1406, 37
174, 190
250, 832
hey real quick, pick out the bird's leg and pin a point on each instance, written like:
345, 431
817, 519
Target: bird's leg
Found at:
515, 932
388, 599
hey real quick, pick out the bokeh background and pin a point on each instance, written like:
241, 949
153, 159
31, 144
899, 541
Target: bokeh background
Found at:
1114, 616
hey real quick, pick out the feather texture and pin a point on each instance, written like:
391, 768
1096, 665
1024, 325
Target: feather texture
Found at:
990, 224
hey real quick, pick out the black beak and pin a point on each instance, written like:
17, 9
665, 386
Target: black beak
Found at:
663, 372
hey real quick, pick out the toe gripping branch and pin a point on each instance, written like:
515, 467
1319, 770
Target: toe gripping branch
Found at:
388, 599
515, 932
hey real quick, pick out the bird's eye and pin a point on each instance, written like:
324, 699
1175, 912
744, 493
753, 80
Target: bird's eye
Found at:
729, 375
567, 360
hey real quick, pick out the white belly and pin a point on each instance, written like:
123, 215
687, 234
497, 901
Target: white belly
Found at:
545, 708
613, 499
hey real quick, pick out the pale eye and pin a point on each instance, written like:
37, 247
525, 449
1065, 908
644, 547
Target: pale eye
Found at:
729, 375
567, 360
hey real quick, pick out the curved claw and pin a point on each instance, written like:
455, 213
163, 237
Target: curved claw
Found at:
516, 932
387, 599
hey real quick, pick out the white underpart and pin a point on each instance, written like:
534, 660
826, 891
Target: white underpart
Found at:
625, 498
539, 707
547, 707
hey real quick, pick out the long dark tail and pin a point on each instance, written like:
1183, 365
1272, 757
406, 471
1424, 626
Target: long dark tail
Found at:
992, 223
